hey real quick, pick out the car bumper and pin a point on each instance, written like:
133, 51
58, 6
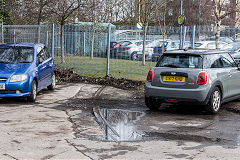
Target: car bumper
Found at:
16, 89
178, 95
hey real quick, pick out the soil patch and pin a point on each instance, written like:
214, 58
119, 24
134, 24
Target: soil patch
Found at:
70, 76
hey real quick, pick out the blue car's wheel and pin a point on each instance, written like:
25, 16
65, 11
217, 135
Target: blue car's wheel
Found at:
33, 95
53, 84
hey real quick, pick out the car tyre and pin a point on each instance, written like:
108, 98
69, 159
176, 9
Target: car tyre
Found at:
152, 104
215, 100
53, 84
134, 56
33, 95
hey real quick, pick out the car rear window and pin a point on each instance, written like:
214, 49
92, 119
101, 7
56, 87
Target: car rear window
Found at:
180, 61
13, 54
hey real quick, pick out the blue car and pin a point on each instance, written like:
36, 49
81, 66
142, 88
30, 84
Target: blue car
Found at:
25, 69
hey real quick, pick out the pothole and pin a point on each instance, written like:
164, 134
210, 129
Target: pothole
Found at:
119, 125
122, 125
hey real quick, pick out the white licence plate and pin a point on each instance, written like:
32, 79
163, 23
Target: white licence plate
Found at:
2, 86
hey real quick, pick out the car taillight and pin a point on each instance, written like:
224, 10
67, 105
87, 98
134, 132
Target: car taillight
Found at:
117, 46
150, 76
127, 48
202, 78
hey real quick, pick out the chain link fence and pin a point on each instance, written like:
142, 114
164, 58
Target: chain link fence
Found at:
86, 45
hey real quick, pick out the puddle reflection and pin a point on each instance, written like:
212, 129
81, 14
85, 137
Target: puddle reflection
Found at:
121, 125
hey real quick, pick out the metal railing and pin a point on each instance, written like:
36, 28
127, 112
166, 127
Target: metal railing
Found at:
87, 45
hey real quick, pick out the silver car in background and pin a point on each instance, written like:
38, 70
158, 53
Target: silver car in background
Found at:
198, 77
129, 48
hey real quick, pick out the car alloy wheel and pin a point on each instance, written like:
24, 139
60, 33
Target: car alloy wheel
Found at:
53, 84
216, 100
33, 95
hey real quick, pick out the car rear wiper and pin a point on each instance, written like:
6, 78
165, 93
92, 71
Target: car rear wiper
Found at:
170, 65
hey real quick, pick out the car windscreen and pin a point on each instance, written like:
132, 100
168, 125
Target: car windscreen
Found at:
13, 54
180, 61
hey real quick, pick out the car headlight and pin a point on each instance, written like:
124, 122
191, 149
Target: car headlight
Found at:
18, 78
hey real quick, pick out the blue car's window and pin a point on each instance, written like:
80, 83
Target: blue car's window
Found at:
16, 54
180, 61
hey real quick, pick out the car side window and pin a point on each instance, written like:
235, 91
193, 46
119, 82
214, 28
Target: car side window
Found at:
213, 61
40, 57
46, 52
227, 60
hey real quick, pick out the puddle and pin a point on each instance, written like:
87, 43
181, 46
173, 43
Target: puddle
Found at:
126, 125
120, 125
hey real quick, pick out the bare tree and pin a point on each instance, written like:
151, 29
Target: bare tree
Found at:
223, 9
146, 14
63, 10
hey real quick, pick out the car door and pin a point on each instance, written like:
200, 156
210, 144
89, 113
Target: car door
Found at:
215, 66
43, 68
233, 74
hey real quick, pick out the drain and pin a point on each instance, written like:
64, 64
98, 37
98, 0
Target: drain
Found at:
118, 124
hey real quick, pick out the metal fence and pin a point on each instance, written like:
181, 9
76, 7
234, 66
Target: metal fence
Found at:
81, 40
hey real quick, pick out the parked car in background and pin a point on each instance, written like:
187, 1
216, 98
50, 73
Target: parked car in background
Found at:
168, 46
129, 49
222, 39
25, 69
198, 77
235, 51
148, 50
211, 45
114, 48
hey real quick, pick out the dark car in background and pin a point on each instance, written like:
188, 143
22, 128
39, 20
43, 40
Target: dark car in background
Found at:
114, 48
197, 77
25, 69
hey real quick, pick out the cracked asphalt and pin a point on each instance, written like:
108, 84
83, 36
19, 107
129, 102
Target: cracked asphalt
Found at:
62, 125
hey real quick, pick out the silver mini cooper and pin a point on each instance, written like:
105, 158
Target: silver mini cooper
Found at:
200, 77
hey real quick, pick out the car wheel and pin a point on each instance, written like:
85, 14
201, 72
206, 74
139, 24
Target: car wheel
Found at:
134, 56
53, 84
152, 104
214, 103
33, 95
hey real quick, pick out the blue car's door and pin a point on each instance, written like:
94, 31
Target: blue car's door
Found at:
44, 68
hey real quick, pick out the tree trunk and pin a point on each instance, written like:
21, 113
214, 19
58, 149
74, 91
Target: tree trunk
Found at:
144, 44
62, 43
218, 23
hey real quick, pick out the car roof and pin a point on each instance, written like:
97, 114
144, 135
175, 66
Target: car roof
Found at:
196, 51
21, 44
